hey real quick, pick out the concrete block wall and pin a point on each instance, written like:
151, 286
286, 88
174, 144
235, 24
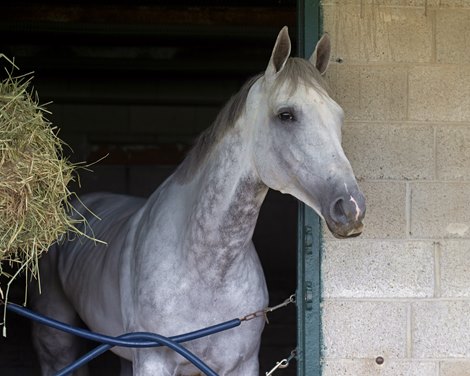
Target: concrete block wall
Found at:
401, 292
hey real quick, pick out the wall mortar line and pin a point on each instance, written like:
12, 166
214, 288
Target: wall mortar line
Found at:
408, 210
437, 270
409, 332
435, 154
433, 37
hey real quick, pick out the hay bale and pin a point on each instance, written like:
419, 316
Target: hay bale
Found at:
34, 198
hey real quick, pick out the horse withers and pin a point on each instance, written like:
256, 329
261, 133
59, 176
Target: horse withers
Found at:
184, 259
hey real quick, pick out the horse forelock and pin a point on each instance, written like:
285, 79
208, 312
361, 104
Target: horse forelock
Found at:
296, 71
225, 120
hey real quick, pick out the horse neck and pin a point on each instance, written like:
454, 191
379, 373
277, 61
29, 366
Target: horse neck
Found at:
226, 198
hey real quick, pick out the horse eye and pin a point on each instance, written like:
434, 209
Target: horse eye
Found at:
286, 116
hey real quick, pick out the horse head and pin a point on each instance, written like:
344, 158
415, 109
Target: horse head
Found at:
297, 137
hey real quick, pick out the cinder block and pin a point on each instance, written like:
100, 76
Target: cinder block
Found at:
95, 118
358, 329
369, 367
441, 329
386, 215
453, 36
455, 268
370, 92
377, 269
344, 82
457, 368
401, 3
453, 152
440, 210
372, 33
388, 151
439, 93
454, 3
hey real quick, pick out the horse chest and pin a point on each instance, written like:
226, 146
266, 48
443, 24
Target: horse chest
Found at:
188, 298
176, 297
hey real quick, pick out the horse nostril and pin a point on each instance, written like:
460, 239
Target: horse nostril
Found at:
337, 211
345, 214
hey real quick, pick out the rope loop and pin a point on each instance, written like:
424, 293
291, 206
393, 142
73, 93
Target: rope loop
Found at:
140, 340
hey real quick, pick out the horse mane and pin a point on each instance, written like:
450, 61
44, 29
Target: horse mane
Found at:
225, 120
295, 71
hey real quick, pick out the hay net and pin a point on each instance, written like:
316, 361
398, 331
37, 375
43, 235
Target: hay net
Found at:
34, 175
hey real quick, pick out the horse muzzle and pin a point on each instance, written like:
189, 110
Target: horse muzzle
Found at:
345, 214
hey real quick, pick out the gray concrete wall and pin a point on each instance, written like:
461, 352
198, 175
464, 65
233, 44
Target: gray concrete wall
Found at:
401, 71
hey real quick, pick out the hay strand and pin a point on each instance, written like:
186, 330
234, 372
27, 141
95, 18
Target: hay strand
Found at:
34, 176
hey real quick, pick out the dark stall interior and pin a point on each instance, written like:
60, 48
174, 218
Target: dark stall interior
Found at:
137, 81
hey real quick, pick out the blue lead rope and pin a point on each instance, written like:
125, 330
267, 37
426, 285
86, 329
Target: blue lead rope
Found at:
137, 340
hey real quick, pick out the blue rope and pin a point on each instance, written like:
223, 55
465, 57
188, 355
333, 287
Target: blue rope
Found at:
138, 340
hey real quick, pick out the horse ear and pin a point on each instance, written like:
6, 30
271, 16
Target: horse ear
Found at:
280, 54
321, 56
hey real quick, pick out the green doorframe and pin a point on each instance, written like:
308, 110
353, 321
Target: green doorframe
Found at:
308, 229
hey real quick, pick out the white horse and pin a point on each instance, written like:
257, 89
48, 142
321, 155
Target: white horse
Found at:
184, 259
